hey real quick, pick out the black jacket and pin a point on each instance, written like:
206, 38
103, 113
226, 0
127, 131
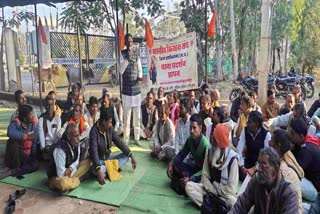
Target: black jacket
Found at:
100, 146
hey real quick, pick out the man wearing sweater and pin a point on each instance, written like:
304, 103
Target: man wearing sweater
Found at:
306, 151
66, 170
196, 145
131, 90
220, 170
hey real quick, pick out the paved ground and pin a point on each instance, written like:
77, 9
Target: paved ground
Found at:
40, 202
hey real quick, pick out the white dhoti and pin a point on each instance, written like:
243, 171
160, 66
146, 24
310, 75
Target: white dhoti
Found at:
131, 104
195, 191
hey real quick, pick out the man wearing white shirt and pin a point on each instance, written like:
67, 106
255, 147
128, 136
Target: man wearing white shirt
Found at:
49, 125
298, 111
253, 138
66, 170
83, 126
131, 91
92, 115
183, 126
194, 103
162, 146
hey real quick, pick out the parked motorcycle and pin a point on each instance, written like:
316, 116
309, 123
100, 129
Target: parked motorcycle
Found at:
284, 85
248, 84
281, 86
309, 81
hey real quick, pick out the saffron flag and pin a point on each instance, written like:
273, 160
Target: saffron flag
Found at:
121, 37
212, 25
148, 34
41, 32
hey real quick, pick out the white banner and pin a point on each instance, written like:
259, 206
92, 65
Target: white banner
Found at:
172, 63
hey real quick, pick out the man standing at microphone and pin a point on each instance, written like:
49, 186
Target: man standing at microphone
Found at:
131, 91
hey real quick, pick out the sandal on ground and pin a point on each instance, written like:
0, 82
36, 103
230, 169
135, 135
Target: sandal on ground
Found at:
11, 207
16, 195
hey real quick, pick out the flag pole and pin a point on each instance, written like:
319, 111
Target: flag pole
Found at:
206, 42
38, 56
118, 48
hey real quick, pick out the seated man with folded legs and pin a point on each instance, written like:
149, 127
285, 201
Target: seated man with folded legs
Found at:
21, 147
162, 146
149, 117
197, 144
220, 170
49, 125
83, 126
102, 135
66, 170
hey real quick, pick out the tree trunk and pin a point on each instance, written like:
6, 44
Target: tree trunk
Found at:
273, 59
279, 58
233, 42
264, 51
218, 43
242, 28
287, 39
2, 75
199, 53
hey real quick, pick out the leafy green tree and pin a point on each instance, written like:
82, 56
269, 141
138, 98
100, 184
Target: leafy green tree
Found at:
305, 33
88, 15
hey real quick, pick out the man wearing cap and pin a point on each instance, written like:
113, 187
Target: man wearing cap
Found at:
102, 135
131, 91
220, 170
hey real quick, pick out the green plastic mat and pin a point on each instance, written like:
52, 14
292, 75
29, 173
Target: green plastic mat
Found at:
152, 194
5, 114
145, 189
110, 193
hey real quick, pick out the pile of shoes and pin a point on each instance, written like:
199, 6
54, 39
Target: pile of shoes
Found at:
12, 200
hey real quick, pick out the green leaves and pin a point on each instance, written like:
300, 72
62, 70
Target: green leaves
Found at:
102, 12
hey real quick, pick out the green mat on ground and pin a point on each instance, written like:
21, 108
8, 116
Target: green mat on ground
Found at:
5, 114
144, 190
153, 194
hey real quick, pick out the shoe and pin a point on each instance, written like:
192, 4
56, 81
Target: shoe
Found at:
137, 143
11, 207
62, 193
16, 195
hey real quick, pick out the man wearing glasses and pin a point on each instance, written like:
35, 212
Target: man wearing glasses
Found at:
268, 191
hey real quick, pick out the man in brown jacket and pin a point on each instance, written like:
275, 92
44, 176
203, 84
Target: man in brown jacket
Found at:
268, 191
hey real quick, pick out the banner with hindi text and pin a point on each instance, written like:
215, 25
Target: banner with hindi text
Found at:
172, 63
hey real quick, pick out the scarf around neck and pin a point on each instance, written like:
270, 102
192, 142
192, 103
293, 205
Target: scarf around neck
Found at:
81, 124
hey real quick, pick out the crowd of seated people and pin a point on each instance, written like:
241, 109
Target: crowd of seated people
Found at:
208, 148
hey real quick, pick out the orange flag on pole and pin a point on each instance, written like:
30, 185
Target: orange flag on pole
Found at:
121, 36
42, 33
148, 34
212, 25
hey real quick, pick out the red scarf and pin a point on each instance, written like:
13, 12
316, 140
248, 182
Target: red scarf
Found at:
81, 124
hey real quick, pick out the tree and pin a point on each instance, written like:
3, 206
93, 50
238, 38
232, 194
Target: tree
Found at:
170, 24
305, 35
233, 41
280, 18
264, 50
14, 22
95, 14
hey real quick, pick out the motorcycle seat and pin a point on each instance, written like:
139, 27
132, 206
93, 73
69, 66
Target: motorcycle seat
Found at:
286, 79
